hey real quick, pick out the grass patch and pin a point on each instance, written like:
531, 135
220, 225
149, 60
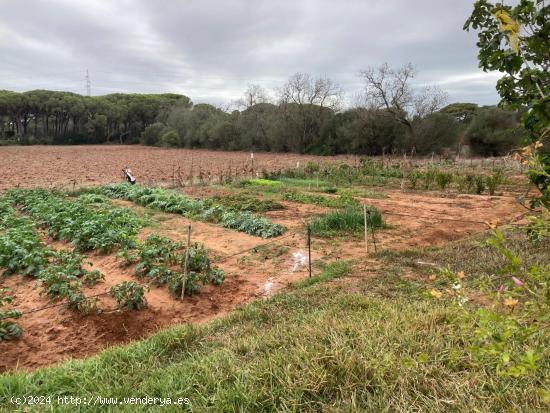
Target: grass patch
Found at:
349, 221
341, 201
318, 348
260, 182
362, 193
335, 269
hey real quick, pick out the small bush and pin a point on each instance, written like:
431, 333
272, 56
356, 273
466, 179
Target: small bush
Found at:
479, 184
414, 177
129, 295
443, 179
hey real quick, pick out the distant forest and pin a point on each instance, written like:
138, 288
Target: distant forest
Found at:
306, 118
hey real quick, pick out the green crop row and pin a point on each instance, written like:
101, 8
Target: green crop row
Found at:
341, 201
89, 222
61, 273
161, 261
203, 210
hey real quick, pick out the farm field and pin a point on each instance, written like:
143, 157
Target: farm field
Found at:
412, 218
63, 166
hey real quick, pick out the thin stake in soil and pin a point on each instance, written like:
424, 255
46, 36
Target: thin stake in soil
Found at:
373, 238
186, 264
366, 228
309, 248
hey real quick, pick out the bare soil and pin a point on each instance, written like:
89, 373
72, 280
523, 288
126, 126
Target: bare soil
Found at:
65, 166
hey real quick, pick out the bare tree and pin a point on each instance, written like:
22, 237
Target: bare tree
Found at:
390, 89
253, 95
304, 101
303, 89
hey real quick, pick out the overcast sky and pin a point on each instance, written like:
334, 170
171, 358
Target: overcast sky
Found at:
209, 50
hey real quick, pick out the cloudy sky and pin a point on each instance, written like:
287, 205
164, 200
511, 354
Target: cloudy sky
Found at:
210, 50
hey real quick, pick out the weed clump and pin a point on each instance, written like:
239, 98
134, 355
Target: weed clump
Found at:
348, 221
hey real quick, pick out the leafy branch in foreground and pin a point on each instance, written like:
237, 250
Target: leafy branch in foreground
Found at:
508, 335
515, 40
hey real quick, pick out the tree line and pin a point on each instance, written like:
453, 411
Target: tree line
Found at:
306, 115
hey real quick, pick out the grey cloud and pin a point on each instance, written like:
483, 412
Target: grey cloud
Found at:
210, 49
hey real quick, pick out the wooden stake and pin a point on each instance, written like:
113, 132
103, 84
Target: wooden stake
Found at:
366, 228
186, 264
373, 238
309, 248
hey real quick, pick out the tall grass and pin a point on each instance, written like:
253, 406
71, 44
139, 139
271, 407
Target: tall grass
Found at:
348, 221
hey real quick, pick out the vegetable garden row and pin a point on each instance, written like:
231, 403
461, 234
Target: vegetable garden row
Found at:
90, 223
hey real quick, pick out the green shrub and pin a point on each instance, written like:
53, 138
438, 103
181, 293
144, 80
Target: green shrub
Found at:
443, 179
479, 184
129, 295
429, 177
492, 181
312, 167
414, 177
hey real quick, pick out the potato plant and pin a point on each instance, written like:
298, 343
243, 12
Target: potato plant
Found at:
21, 250
161, 260
129, 295
89, 222
8, 327
64, 277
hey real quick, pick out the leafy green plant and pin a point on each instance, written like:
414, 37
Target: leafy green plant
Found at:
507, 336
495, 179
312, 167
89, 222
429, 177
8, 327
161, 260
414, 177
64, 277
479, 184
443, 179
129, 295
21, 250
242, 202
204, 210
